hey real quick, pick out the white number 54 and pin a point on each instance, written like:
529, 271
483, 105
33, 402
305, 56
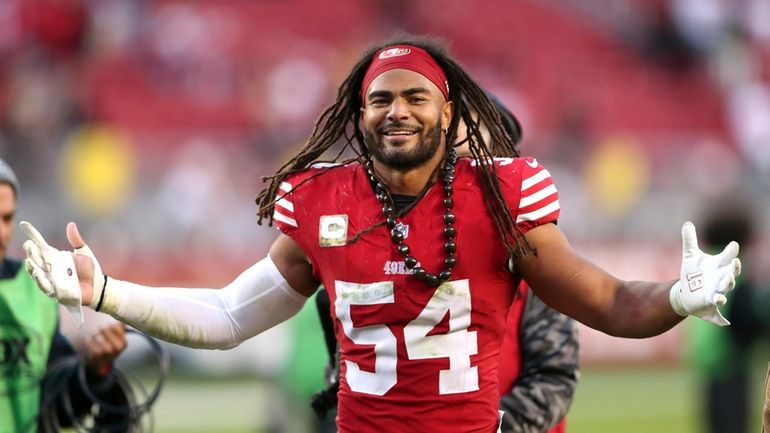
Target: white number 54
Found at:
458, 344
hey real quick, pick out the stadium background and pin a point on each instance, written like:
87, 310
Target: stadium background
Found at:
151, 123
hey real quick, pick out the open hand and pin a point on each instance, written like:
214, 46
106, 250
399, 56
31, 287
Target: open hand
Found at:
704, 279
72, 278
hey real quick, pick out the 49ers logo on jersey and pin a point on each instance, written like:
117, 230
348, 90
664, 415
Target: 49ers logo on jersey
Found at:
393, 267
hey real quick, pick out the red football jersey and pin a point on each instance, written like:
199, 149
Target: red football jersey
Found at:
414, 358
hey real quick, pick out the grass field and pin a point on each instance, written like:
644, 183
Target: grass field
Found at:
660, 400
631, 401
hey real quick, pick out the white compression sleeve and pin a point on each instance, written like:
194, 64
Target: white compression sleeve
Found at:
255, 301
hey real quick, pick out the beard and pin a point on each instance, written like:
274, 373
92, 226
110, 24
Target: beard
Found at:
405, 159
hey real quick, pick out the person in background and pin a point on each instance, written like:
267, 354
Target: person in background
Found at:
539, 369
30, 342
723, 356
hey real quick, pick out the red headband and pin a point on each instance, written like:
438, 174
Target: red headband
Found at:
405, 57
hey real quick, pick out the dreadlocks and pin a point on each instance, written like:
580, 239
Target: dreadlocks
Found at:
340, 123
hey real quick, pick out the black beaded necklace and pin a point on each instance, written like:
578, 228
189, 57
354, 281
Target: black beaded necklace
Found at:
397, 235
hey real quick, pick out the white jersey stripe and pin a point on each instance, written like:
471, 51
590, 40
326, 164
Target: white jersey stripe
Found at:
538, 213
534, 179
285, 186
538, 196
325, 165
282, 202
284, 219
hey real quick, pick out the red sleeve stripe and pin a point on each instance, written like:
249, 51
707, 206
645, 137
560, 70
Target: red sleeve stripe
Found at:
539, 212
278, 216
280, 201
283, 202
537, 196
534, 179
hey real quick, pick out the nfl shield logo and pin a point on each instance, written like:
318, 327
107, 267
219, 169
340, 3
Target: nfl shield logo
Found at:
403, 228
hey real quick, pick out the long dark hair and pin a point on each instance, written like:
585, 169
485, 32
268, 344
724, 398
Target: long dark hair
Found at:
340, 124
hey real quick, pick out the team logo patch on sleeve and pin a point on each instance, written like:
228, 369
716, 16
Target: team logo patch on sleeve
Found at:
333, 230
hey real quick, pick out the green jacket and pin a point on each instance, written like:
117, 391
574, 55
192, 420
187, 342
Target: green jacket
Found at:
28, 323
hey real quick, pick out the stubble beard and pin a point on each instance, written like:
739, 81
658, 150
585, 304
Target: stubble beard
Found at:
405, 159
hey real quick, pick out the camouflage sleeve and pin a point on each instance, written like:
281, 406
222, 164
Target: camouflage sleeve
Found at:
543, 392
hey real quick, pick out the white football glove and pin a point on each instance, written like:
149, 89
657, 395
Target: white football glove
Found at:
55, 273
704, 279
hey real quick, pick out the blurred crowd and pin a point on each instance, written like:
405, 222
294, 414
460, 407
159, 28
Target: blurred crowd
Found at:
152, 122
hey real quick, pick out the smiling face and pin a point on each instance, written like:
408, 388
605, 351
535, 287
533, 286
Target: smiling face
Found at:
403, 116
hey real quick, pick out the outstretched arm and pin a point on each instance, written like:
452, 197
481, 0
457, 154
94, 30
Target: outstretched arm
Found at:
634, 309
543, 390
268, 293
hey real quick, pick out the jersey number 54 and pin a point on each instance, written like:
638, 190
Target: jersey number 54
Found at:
458, 344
